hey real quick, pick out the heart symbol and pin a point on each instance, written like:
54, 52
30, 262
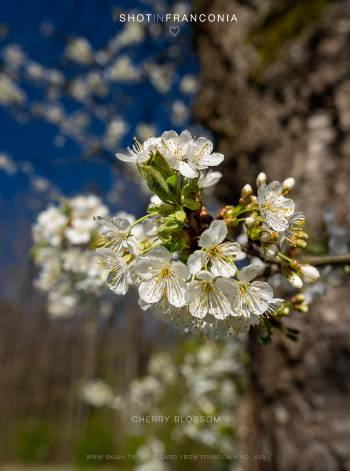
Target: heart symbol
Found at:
174, 30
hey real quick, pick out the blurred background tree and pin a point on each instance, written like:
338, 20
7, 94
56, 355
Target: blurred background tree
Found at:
276, 93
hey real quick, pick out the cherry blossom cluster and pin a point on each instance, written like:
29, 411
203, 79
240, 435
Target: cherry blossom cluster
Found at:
64, 239
206, 273
205, 378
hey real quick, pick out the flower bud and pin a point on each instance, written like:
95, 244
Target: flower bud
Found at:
271, 251
249, 221
295, 280
285, 311
303, 308
297, 299
288, 184
247, 190
309, 273
265, 237
301, 244
228, 212
261, 178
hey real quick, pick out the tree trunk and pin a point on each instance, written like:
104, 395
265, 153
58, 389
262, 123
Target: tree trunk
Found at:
276, 95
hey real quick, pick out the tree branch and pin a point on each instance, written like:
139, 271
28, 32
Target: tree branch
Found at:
342, 259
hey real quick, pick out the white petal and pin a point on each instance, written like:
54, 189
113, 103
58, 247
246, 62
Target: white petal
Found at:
227, 286
262, 192
274, 187
159, 253
176, 290
221, 267
119, 287
216, 234
264, 290
186, 170
210, 179
219, 305
117, 279
185, 137
123, 225
230, 249
200, 306
205, 275
212, 159
249, 273
193, 290
167, 135
196, 261
152, 291
276, 221
146, 268
203, 146
180, 270
126, 158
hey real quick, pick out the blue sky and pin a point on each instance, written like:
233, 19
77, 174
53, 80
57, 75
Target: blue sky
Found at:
33, 140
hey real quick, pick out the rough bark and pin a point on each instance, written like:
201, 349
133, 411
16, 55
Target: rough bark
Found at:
276, 94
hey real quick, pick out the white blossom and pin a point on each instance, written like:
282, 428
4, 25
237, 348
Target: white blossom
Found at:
140, 153
207, 295
251, 298
143, 236
97, 393
79, 50
274, 207
161, 277
69, 272
50, 226
10, 93
187, 155
7, 164
217, 254
294, 231
114, 233
117, 269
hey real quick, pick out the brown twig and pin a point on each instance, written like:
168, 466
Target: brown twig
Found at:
342, 259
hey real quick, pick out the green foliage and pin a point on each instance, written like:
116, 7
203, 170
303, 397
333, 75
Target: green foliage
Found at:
96, 437
190, 194
33, 440
191, 204
160, 179
177, 194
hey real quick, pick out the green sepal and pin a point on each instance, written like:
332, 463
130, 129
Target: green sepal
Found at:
157, 183
191, 204
157, 161
172, 182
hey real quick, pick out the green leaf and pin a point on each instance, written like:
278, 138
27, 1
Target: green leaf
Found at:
191, 204
163, 209
157, 183
171, 181
157, 161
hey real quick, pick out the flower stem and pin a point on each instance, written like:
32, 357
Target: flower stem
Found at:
141, 219
282, 255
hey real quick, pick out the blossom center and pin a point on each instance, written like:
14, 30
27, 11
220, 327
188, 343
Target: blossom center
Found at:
207, 287
165, 272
